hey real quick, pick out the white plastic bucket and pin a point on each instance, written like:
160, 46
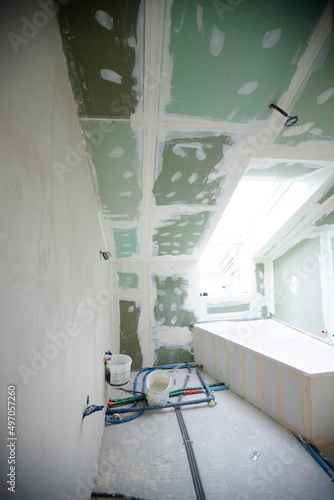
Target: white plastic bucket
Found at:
157, 388
118, 369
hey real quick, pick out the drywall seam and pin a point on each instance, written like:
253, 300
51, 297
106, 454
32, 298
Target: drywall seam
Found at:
147, 345
305, 63
215, 357
326, 279
269, 285
204, 349
92, 172
280, 394
306, 403
115, 334
154, 21
175, 335
166, 59
184, 123
67, 53
227, 354
259, 381
320, 150
107, 248
138, 68
242, 370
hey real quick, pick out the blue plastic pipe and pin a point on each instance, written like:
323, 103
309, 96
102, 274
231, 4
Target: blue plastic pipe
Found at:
158, 407
316, 457
168, 405
318, 452
141, 410
207, 388
92, 409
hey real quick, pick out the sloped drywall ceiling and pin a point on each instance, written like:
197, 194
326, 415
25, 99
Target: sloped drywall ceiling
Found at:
173, 99
230, 60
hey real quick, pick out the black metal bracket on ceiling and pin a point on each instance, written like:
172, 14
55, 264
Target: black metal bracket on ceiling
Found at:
105, 255
291, 119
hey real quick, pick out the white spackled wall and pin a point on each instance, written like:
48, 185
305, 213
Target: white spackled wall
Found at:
55, 286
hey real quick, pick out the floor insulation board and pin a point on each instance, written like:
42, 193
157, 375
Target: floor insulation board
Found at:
241, 453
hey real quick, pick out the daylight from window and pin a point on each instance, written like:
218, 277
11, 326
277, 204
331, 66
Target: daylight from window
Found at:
257, 210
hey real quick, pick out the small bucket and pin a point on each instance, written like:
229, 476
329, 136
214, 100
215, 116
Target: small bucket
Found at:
118, 369
158, 384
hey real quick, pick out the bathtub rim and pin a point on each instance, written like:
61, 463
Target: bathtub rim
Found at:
196, 326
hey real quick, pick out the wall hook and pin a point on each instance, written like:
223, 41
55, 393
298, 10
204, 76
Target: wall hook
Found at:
291, 119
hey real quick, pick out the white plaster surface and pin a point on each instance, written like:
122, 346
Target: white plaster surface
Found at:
278, 342
52, 275
249, 356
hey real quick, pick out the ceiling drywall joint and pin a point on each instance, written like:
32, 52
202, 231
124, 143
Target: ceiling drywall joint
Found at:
206, 125
154, 28
317, 40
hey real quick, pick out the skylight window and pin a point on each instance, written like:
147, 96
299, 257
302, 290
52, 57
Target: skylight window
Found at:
258, 209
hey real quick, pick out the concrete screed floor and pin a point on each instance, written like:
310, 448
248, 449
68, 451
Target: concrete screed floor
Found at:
146, 458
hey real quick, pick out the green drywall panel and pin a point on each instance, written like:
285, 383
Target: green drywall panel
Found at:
181, 234
169, 307
314, 104
297, 286
128, 280
126, 242
115, 150
327, 195
264, 311
190, 170
99, 41
129, 339
230, 60
229, 307
167, 356
327, 219
259, 277
282, 171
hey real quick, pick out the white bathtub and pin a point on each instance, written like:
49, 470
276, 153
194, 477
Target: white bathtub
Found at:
287, 374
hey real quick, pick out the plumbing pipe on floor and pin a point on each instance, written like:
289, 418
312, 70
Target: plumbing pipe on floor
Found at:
210, 399
219, 386
147, 370
324, 463
159, 407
